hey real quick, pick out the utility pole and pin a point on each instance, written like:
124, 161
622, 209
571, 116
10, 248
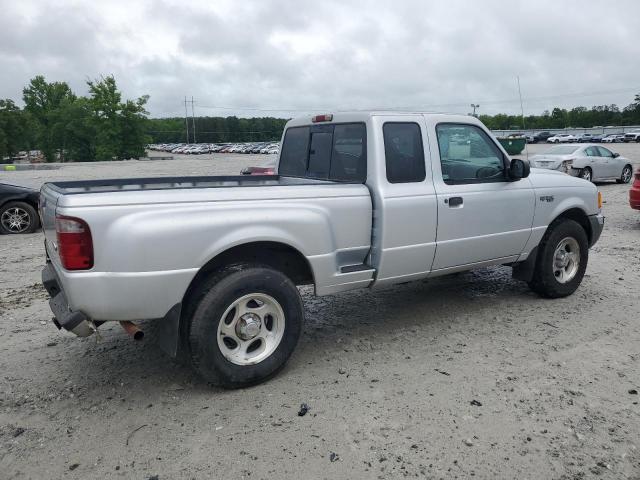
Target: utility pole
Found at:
521, 105
193, 121
526, 146
186, 119
474, 106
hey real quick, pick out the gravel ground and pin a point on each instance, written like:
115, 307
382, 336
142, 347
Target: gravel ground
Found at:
467, 375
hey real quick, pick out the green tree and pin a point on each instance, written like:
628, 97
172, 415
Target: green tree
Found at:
132, 125
42, 100
105, 104
73, 125
13, 129
119, 127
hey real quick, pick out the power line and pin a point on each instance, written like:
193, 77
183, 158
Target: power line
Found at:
426, 107
219, 131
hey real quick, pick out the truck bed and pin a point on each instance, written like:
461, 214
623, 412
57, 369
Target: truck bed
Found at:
167, 183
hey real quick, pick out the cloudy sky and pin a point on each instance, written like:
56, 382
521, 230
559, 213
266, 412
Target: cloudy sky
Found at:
286, 57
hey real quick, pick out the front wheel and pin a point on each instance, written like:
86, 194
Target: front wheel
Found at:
562, 260
246, 321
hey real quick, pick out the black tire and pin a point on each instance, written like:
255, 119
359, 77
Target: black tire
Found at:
544, 281
209, 304
626, 175
33, 221
586, 174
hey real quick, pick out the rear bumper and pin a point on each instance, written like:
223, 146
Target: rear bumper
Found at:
73, 321
597, 225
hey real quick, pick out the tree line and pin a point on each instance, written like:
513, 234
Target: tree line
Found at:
578, 117
68, 127
215, 129
104, 126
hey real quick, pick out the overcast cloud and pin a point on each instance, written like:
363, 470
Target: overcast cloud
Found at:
330, 55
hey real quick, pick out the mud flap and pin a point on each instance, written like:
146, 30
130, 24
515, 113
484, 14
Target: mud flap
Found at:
169, 331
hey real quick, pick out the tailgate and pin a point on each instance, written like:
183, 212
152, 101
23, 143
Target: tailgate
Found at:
48, 203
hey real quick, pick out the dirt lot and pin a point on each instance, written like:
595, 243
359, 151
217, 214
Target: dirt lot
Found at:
468, 375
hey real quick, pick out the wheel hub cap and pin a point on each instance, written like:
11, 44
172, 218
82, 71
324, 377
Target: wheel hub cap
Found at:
251, 329
566, 260
248, 326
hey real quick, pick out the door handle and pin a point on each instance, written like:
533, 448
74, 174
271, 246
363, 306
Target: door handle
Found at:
453, 201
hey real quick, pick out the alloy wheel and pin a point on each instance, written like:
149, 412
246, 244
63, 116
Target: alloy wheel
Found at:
15, 220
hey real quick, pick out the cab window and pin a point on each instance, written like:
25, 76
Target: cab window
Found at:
404, 152
468, 155
335, 152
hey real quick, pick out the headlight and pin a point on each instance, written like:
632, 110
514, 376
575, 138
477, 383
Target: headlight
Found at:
566, 166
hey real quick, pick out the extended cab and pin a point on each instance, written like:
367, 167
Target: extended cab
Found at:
360, 200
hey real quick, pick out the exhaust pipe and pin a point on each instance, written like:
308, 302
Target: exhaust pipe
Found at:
132, 330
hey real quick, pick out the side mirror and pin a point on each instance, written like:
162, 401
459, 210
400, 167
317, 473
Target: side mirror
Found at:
519, 169
616, 155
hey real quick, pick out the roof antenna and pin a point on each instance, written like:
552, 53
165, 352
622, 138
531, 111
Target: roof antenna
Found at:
526, 145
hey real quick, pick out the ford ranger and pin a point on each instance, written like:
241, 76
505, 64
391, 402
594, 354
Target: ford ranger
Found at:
360, 200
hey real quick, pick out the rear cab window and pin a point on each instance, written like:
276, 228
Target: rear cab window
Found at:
404, 152
335, 152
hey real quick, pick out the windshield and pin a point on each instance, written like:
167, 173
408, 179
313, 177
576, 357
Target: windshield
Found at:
561, 150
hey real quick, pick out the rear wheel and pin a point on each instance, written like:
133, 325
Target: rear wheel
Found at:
18, 217
245, 323
562, 260
586, 174
627, 173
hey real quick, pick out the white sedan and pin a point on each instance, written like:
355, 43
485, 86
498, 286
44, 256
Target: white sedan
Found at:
562, 138
591, 162
613, 138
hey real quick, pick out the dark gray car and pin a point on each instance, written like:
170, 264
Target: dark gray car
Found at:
18, 209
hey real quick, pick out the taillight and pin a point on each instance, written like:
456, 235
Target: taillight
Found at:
599, 200
327, 117
75, 245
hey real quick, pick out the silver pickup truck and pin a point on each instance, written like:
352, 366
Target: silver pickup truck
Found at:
361, 200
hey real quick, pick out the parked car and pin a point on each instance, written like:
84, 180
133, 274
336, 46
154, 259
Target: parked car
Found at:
613, 138
18, 209
632, 136
597, 138
584, 138
217, 260
591, 162
634, 191
267, 168
561, 138
542, 137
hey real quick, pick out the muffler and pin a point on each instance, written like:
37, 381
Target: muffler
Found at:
132, 329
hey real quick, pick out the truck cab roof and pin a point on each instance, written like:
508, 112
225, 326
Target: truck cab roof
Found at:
363, 116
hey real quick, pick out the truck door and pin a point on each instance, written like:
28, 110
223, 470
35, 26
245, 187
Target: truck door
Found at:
401, 183
482, 216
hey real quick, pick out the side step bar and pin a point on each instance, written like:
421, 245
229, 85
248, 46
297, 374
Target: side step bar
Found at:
355, 268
